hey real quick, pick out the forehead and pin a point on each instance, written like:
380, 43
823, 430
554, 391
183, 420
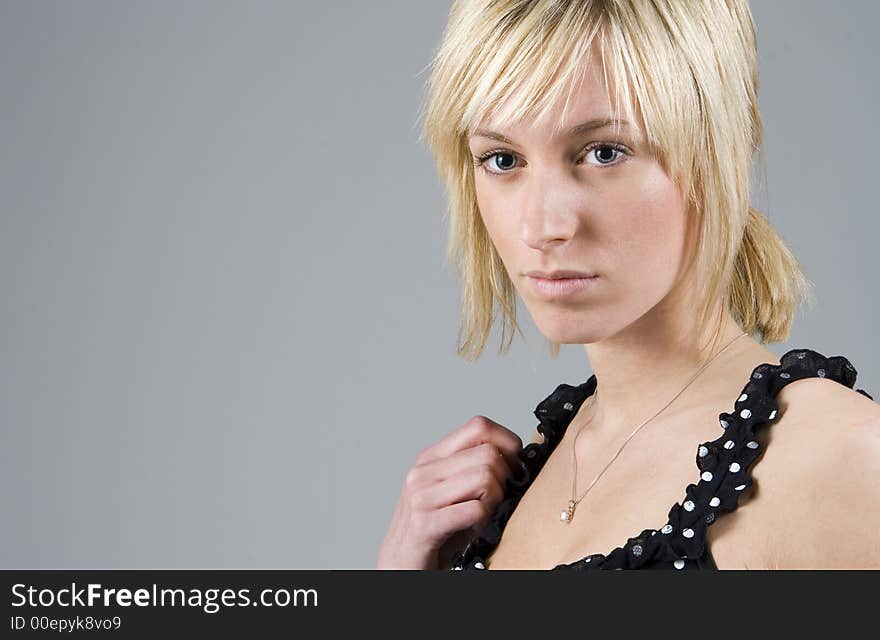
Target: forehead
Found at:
582, 102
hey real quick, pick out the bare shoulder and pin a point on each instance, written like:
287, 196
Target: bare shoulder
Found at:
818, 477
812, 396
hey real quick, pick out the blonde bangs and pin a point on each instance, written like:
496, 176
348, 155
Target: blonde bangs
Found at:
683, 75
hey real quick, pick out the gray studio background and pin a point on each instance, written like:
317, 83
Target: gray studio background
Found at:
227, 328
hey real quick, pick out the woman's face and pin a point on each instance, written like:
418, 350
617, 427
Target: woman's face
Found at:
594, 202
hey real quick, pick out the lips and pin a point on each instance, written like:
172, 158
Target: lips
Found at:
562, 287
560, 274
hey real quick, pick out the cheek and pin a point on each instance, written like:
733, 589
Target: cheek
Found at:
651, 230
501, 228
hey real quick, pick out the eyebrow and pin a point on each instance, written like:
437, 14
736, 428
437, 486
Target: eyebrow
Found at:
589, 125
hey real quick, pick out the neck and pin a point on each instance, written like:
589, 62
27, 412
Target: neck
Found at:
638, 371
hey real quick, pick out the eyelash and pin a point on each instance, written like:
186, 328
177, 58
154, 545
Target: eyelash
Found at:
480, 161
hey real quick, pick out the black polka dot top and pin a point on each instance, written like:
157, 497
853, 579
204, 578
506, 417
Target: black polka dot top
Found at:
723, 465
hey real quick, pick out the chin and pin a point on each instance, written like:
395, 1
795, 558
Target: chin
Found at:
594, 323
569, 332
582, 338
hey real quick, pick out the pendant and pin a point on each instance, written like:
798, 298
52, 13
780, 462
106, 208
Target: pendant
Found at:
568, 514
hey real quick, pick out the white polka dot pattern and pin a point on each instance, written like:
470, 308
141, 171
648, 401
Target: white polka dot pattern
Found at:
700, 507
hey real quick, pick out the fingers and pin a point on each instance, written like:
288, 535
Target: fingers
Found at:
486, 454
457, 517
476, 431
475, 483
456, 483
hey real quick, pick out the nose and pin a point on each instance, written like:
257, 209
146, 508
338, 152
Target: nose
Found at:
547, 215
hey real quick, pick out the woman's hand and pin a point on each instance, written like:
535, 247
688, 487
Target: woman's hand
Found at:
449, 493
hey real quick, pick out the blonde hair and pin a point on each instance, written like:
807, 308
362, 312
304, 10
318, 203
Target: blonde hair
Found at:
692, 67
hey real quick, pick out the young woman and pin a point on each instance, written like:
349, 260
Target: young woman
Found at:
596, 155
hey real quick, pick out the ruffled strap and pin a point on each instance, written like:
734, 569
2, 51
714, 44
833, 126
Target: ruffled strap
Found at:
554, 414
724, 464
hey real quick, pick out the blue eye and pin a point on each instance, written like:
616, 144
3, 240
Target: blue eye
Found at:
605, 149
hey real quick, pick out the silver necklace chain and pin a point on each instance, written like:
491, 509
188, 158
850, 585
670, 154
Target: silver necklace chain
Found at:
568, 514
